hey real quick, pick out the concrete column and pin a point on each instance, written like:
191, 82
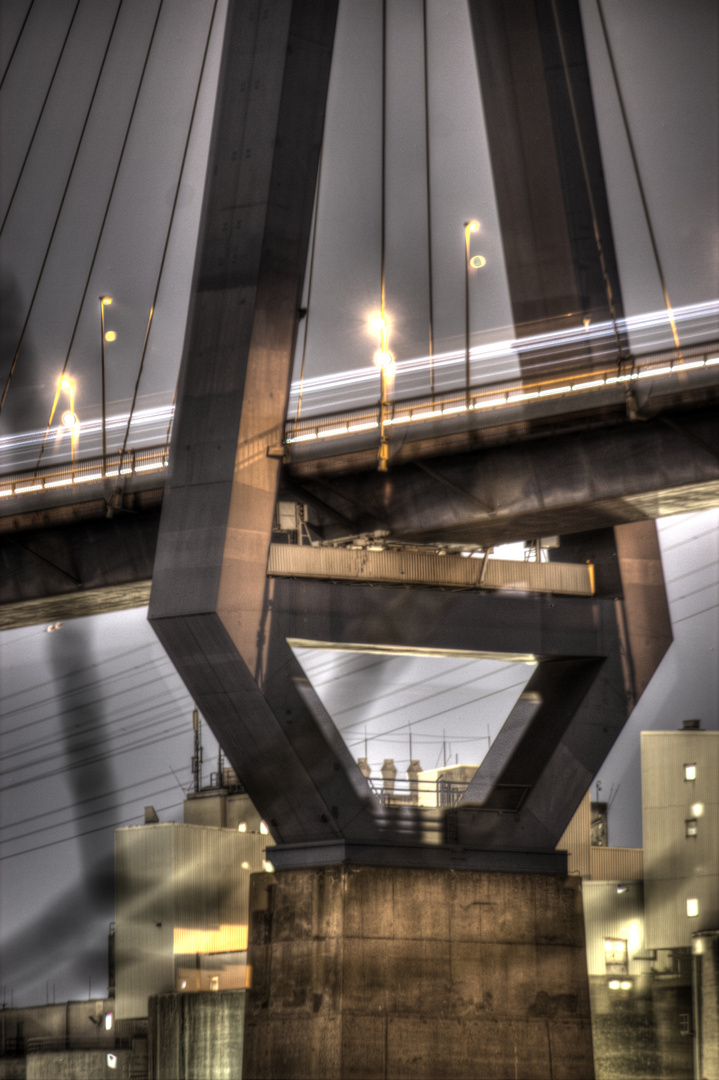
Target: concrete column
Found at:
387, 972
705, 950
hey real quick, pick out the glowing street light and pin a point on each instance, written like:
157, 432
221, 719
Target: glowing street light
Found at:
68, 417
476, 263
105, 301
384, 360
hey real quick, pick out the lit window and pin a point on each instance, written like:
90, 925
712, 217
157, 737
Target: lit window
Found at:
692, 907
111, 1060
690, 772
215, 982
108, 1021
691, 827
242, 827
616, 958
263, 828
626, 984
245, 866
183, 984
614, 984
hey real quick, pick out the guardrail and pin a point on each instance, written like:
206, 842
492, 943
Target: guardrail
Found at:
493, 397
483, 400
395, 566
50, 1043
114, 466
423, 793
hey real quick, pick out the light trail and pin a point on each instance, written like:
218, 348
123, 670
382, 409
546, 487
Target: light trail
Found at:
500, 360
323, 396
149, 427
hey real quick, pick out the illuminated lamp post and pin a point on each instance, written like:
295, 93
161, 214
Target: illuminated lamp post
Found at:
475, 263
384, 360
105, 301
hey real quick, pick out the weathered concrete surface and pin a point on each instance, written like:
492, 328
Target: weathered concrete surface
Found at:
12, 1068
79, 1065
705, 949
369, 972
195, 1036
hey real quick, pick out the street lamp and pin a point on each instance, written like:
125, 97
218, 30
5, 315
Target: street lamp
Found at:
469, 228
384, 360
68, 417
105, 301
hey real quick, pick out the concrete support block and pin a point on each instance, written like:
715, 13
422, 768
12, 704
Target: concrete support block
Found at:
196, 1035
369, 972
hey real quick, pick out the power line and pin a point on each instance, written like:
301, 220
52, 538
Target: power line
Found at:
694, 613
688, 540
438, 693
127, 673
452, 708
80, 817
59, 212
90, 761
83, 802
87, 667
93, 744
87, 832
40, 115
83, 703
95, 724
84, 706
703, 588
689, 573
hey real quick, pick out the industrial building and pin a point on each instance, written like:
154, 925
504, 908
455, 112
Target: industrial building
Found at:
178, 952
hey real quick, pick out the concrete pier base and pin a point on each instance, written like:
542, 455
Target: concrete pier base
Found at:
369, 972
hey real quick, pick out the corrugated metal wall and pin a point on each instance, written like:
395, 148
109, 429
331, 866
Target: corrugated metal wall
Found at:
576, 838
609, 914
615, 864
144, 916
180, 890
419, 568
678, 867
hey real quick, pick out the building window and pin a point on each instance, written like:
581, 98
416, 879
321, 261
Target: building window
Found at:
690, 771
214, 982
685, 1024
111, 1060
691, 827
692, 907
616, 959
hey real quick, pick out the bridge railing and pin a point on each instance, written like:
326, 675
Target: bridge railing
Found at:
86, 470
496, 397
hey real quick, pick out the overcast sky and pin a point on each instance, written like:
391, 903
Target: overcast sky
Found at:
78, 702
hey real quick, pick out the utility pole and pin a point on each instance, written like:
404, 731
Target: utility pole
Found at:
197, 756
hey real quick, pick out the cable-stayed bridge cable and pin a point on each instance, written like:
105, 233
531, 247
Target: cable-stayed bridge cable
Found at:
169, 227
59, 211
40, 115
17, 42
107, 209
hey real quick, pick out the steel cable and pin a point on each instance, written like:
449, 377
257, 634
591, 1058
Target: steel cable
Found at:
59, 212
169, 230
107, 210
40, 116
